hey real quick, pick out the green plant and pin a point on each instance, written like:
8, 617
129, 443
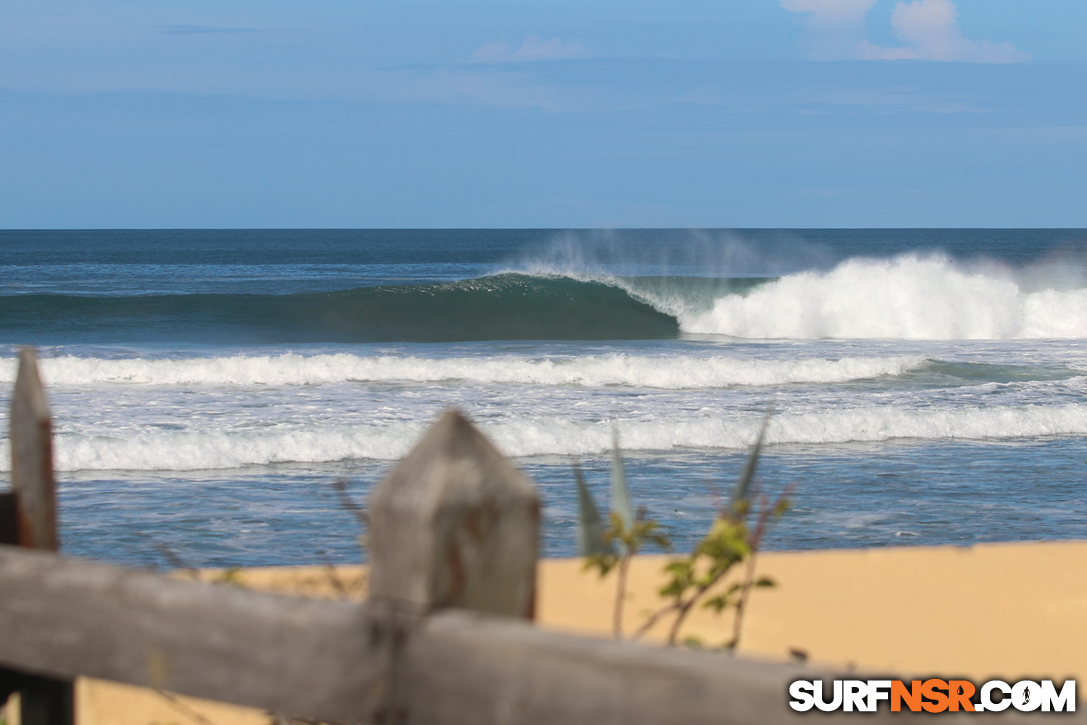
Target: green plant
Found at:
613, 547
730, 541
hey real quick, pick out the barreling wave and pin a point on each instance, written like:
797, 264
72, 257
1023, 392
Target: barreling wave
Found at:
499, 307
529, 436
664, 372
908, 297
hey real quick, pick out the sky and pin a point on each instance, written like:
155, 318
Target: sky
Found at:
543, 113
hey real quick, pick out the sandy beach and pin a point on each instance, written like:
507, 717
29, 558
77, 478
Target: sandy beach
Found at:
1007, 610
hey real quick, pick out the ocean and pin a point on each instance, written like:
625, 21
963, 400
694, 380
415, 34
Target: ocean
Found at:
925, 386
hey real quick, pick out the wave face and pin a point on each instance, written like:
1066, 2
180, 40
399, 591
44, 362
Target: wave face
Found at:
660, 372
499, 307
906, 298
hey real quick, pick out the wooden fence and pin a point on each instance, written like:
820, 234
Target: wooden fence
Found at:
445, 638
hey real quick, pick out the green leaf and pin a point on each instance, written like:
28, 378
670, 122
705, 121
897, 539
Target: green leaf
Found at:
620, 493
590, 530
603, 563
673, 590
716, 603
765, 582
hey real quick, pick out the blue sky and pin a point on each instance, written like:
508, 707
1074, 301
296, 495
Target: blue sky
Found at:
424, 113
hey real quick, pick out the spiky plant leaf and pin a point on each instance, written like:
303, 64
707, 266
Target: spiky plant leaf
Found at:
620, 493
590, 529
737, 505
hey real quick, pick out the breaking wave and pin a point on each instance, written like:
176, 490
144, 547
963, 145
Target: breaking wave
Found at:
192, 450
664, 372
909, 297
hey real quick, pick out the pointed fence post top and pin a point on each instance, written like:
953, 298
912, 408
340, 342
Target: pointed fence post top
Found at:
455, 525
29, 394
32, 480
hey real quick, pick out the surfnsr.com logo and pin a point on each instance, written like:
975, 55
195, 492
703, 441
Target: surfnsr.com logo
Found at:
933, 696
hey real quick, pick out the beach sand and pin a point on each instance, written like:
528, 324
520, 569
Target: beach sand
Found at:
1008, 610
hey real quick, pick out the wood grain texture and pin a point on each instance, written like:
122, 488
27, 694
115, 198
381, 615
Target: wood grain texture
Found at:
32, 480
510, 673
455, 525
64, 617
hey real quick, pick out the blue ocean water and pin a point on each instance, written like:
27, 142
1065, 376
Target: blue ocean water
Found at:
927, 386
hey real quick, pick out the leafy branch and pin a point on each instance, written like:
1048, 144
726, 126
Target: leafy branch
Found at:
732, 540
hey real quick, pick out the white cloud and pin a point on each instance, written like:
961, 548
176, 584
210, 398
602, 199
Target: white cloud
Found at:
929, 30
532, 48
834, 28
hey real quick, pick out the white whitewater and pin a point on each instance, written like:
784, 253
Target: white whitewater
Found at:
524, 434
906, 298
663, 372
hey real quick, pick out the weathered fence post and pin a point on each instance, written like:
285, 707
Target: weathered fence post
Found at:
32, 458
44, 701
453, 525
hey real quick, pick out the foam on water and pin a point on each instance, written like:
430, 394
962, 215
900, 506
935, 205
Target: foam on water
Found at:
525, 435
909, 298
664, 372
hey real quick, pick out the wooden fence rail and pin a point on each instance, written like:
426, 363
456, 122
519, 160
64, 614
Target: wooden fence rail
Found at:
445, 638
343, 662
